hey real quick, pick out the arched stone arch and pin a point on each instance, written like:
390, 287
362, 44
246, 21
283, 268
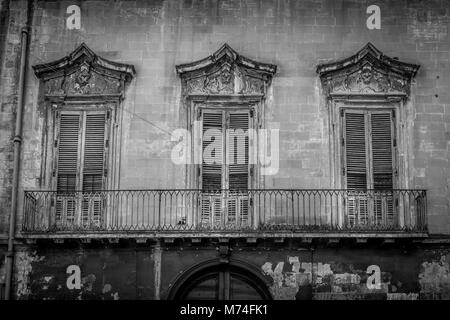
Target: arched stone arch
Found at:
246, 272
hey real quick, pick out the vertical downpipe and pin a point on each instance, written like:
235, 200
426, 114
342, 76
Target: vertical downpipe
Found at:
157, 269
17, 150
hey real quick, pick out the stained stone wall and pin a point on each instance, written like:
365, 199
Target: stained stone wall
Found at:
296, 36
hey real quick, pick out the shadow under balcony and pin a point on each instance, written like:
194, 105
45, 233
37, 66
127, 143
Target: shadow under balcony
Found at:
274, 213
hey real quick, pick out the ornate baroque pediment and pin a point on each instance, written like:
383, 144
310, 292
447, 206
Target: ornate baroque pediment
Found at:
368, 72
225, 73
83, 72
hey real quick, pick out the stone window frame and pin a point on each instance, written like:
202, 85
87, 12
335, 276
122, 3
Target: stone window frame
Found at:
223, 80
197, 104
82, 80
336, 135
368, 79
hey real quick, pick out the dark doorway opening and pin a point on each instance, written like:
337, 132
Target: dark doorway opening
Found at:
221, 282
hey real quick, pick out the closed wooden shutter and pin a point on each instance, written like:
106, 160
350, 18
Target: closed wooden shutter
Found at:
212, 170
382, 150
368, 153
68, 152
355, 150
212, 175
231, 173
356, 167
237, 149
238, 168
93, 171
67, 166
80, 166
212, 210
382, 166
94, 150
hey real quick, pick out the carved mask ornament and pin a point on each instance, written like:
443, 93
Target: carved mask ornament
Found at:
219, 83
83, 76
366, 74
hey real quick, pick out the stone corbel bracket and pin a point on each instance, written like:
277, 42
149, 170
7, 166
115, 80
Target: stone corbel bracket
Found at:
368, 72
83, 74
225, 73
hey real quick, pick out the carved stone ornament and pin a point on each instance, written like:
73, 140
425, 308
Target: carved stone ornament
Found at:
82, 77
224, 73
82, 72
368, 72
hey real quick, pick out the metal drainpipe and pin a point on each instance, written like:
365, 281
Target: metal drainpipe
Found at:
17, 149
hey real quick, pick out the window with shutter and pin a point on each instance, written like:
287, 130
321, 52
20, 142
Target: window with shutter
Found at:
356, 150
69, 130
212, 145
80, 166
94, 149
368, 140
67, 164
238, 167
381, 150
225, 167
382, 144
237, 148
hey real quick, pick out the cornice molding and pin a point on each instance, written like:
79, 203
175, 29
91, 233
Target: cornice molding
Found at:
225, 72
368, 72
83, 72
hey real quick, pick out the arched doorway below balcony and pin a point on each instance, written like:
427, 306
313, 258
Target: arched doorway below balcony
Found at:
214, 280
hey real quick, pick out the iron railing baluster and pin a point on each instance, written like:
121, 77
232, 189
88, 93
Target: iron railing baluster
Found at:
250, 210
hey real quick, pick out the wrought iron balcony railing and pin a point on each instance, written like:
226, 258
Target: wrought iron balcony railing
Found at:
224, 210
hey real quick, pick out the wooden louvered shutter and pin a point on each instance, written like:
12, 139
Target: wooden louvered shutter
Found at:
94, 152
231, 172
93, 167
381, 150
237, 148
355, 151
382, 166
237, 168
68, 152
356, 167
67, 166
211, 170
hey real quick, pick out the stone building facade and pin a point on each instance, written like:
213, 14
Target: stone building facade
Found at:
353, 201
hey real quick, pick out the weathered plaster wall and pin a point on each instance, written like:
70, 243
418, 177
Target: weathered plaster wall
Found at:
290, 273
154, 36
327, 273
10, 21
105, 273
